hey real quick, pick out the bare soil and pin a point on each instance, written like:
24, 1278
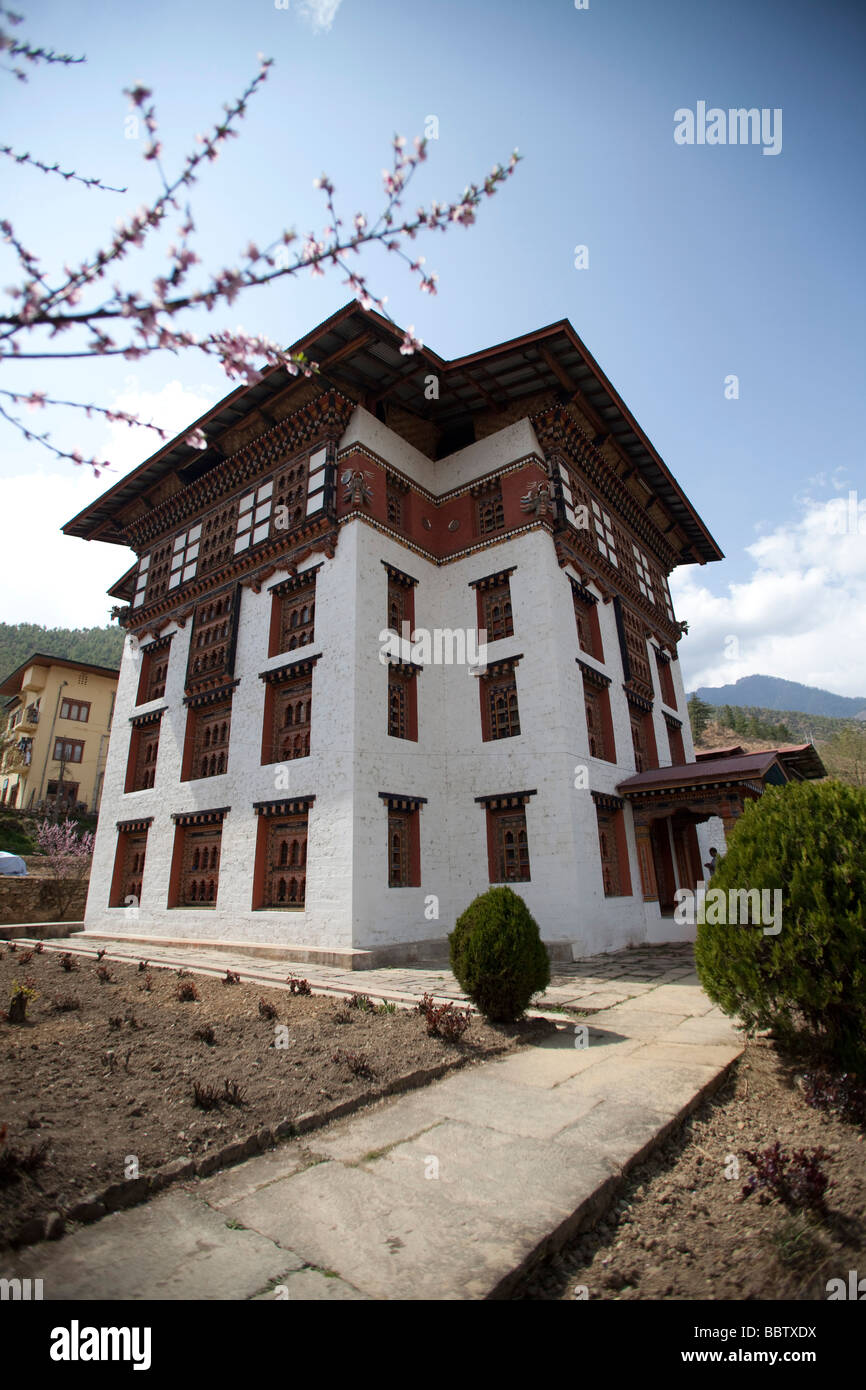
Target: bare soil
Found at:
683, 1230
114, 1078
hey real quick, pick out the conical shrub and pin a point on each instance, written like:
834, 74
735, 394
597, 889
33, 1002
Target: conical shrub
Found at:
498, 956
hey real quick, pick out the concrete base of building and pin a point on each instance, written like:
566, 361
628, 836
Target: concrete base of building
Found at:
431, 951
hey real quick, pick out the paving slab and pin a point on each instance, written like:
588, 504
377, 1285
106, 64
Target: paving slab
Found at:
176, 1247
479, 1167
389, 1238
221, 1189
311, 1286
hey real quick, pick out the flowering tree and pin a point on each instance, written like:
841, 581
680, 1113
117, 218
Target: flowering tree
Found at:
50, 315
68, 859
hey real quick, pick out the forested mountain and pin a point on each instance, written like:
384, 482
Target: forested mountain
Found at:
770, 692
102, 646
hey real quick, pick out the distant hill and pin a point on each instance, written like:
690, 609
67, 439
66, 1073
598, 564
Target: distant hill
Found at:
772, 693
841, 743
101, 646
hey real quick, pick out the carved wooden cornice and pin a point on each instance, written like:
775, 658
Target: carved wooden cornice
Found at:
326, 417
288, 806
506, 801
402, 803
319, 536
612, 581
559, 433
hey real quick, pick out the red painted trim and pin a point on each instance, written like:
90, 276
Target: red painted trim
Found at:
622, 854
258, 897
176, 864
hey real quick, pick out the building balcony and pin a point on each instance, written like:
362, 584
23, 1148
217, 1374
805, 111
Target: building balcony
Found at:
13, 760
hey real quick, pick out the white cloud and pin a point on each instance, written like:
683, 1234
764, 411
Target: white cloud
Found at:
319, 13
801, 615
57, 580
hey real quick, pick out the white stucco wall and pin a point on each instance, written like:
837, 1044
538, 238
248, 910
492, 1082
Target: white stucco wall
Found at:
352, 758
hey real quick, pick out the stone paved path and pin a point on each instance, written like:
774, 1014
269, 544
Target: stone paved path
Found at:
585, 985
450, 1192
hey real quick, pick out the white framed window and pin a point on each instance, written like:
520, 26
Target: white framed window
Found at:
604, 537
567, 495
184, 556
644, 578
316, 481
254, 517
668, 602
141, 580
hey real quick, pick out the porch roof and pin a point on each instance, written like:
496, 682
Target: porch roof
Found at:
715, 772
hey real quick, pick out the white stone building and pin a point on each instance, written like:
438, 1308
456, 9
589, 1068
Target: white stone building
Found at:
279, 774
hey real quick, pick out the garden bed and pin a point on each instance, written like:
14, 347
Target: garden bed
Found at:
105, 1091
682, 1229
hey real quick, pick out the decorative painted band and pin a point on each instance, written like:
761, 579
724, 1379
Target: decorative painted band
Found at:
585, 595
152, 717
403, 803
158, 645
592, 676
294, 806
639, 701
211, 697
212, 817
405, 668
290, 670
398, 576
490, 581
503, 667
501, 801
295, 581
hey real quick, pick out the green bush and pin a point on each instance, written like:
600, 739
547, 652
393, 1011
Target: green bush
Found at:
808, 983
498, 956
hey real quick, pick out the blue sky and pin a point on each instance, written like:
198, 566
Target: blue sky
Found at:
704, 261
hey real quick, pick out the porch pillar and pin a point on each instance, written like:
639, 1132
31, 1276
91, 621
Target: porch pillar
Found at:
649, 886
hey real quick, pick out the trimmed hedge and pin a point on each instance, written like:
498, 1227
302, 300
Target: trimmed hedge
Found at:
498, 956
808, 983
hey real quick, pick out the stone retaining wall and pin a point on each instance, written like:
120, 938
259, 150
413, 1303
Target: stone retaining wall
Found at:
32, 900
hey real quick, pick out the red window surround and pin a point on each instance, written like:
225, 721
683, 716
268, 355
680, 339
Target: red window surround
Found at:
293, 612
675, 739
129, 857
642, 733
507, 837
586, 619
280, 874
612, 845
288, 713
500, 712
154, 671
599, 724
143, 749
194, 876
666, 680
493, 602
404, 839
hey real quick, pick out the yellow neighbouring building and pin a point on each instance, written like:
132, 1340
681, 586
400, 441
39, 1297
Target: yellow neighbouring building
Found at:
54, 728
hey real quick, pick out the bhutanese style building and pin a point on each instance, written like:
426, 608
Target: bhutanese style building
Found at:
282, 772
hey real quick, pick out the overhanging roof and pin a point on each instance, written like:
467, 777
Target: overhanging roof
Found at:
801, 759
748, 767
358, 352
11, 685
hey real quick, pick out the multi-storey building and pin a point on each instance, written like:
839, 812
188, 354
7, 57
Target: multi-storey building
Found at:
54, 736
284, 771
